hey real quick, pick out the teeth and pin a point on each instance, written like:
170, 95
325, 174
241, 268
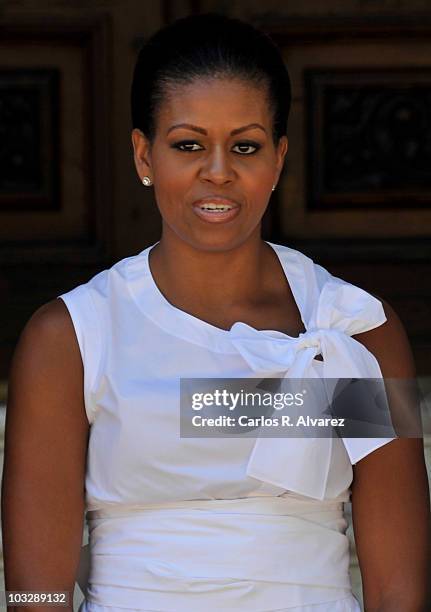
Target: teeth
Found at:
215, 207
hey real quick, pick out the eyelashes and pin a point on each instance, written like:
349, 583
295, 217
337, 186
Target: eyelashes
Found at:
244, 144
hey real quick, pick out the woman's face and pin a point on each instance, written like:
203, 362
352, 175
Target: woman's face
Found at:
213, 140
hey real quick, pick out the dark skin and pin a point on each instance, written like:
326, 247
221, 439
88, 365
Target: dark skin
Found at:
220, 274
44, 462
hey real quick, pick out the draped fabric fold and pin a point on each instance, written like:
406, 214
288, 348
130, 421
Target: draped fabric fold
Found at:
166, 567
303, 465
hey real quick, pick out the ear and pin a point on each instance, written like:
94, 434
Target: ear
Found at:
282, 148
142, 153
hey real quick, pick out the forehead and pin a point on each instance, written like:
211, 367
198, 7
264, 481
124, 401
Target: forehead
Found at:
205, 102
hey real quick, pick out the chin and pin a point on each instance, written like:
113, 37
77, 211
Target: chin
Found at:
217, 241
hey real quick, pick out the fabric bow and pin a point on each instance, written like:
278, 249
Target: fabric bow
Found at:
314, 467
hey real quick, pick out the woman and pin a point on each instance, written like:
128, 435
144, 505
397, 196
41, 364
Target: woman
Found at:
187, 524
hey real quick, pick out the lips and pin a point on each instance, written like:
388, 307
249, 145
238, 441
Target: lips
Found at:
216, 209
216, 200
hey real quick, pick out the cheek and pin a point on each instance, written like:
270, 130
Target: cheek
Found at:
259, 169
257, 179
172, 186
171, 172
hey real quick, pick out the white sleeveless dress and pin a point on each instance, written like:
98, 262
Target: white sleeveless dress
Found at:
213, 524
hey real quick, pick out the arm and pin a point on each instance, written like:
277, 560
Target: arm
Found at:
390, 498
46, 436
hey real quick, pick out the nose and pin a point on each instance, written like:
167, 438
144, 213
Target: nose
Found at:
217, 167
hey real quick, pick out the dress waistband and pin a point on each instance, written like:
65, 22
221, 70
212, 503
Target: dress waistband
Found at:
284, 505
185, 555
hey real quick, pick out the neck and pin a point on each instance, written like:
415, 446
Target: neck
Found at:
207, 278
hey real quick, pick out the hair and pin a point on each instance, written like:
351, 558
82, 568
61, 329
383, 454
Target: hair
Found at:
209, 45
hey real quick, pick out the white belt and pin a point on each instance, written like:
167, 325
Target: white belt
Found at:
252, 553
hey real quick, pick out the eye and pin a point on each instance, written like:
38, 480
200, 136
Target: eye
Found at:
248, 145
185, 143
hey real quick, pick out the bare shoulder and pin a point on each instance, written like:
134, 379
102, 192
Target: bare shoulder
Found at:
49, 329
46, 441
390, 344
390, 489
51, 319
46, 359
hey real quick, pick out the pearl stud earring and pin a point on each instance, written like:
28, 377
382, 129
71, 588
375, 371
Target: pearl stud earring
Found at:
147, 181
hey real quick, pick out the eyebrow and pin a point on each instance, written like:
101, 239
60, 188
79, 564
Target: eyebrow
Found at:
196, 128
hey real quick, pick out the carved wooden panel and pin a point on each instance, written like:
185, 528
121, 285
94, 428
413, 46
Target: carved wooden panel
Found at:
356, 190
55, 176
369, 138
29, 139
54, 118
